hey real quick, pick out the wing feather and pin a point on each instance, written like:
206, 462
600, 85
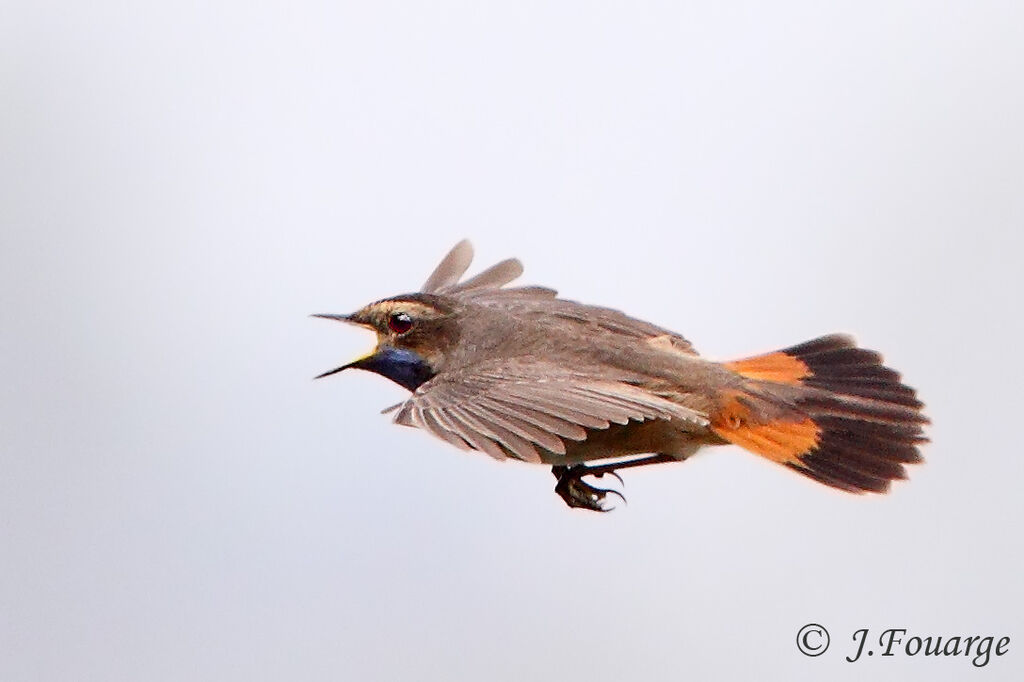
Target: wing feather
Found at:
445, 277
556, 409
512, 421
518, 447
493, 277
548, 422
511, 409
473, 437
450, 269
432, 422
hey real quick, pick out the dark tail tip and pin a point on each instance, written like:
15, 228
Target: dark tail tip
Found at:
870, 423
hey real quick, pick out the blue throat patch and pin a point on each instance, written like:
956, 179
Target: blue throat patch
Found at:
404, 367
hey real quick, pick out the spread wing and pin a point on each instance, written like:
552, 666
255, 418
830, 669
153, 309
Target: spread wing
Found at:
486, 288
510, 409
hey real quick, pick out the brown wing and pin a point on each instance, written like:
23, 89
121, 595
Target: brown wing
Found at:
513, 408
486, 288
527, 301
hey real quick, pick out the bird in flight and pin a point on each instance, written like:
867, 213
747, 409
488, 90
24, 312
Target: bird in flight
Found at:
518, 373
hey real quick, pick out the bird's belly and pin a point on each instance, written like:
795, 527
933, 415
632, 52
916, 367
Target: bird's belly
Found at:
655, 437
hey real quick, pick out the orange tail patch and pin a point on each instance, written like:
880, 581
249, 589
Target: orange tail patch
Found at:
778, 367
781, 441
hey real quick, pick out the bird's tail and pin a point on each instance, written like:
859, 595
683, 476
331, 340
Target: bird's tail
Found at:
827, 409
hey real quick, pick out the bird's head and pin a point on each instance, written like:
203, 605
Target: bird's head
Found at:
414, 332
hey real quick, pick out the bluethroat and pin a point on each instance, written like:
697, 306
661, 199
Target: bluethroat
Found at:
516, 372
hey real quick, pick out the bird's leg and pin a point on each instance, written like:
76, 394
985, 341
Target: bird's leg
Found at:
577, 493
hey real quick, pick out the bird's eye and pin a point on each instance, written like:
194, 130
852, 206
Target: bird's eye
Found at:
399, 323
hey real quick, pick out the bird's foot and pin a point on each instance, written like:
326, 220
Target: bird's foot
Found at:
579, 494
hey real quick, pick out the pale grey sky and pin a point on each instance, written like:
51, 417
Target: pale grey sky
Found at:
181, 184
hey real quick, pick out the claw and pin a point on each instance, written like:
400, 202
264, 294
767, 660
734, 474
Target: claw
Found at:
581, 495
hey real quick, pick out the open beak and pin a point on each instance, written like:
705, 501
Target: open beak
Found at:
354, 363
358, 362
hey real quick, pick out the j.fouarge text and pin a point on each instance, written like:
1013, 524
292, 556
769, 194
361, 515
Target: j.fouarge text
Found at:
894, 641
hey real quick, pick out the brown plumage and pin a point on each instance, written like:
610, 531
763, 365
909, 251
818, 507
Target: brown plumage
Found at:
519, 373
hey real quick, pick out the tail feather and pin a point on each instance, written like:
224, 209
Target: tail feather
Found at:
828, 409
